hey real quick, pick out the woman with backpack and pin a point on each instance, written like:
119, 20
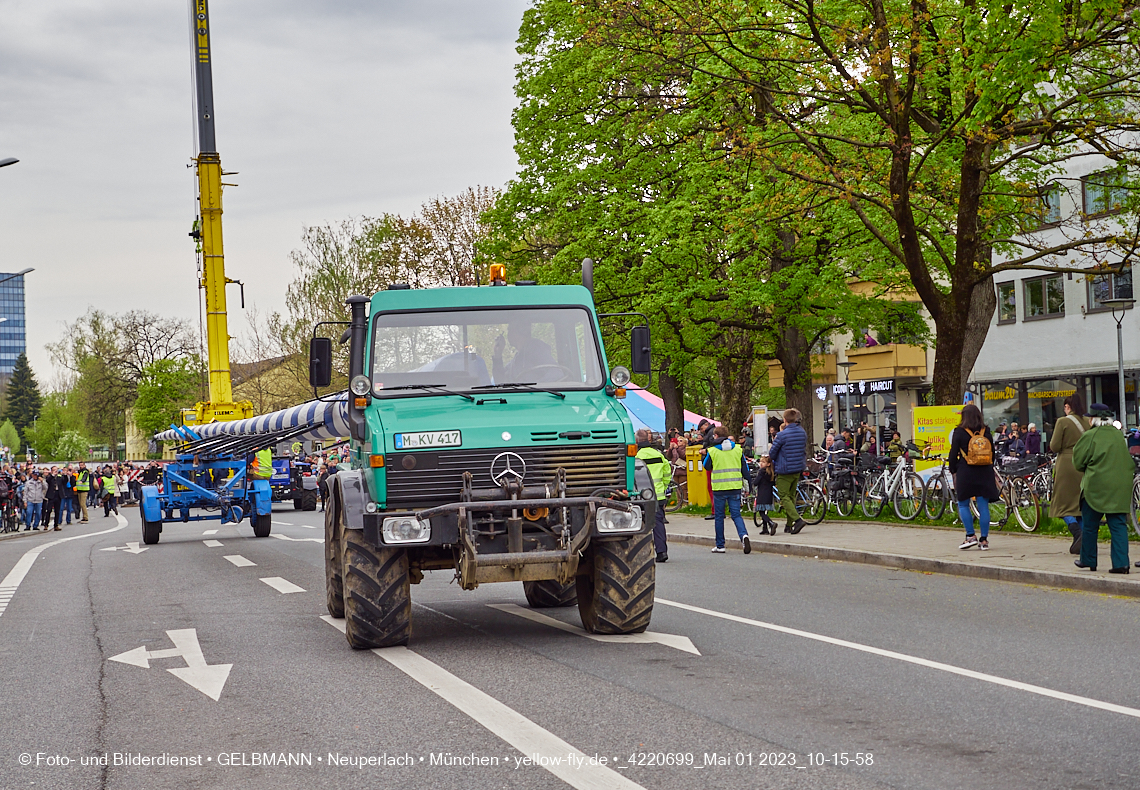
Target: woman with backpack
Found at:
972, 464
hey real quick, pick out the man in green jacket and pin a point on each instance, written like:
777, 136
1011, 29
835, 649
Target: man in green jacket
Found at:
1102, 456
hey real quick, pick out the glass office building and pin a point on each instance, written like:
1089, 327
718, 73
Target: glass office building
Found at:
13, 334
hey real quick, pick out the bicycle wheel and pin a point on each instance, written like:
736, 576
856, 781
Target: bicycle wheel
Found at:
1023, 502
844, 502
909, 496
873, 498
756, 520
673, 499
1135, 503
810, 503
937, 497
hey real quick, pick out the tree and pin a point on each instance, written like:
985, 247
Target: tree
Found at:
167, 386
10, 437
60, 413
942, 128
71, 446
23, 398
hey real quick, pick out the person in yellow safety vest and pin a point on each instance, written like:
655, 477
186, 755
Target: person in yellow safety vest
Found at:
660, 470
109, 501
82, 487
261, 467
729, 470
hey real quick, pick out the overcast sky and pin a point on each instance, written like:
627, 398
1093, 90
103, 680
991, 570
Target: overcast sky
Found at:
327, 109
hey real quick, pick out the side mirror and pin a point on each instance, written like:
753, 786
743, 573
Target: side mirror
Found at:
320, 361
639, 355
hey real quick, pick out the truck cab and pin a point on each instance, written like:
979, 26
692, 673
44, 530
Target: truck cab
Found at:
489, 440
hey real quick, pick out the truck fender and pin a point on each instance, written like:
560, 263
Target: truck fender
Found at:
151, 507
261, 497
353, 497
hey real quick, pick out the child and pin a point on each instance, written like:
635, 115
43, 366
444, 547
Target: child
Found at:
762, 485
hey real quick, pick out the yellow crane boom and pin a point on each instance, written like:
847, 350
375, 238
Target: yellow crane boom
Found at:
208, 231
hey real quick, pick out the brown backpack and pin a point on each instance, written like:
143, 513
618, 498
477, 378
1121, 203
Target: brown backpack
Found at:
979, 451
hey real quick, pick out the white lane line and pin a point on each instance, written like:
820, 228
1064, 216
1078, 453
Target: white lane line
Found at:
210, 532
282, 585
15, 577
284, 523
922, 662
306, 526
213, 544
297, 540
239, 560
647, 637
507, 723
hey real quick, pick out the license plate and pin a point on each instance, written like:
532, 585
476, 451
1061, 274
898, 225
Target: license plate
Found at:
427, 439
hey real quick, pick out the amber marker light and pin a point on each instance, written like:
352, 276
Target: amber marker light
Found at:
376, 461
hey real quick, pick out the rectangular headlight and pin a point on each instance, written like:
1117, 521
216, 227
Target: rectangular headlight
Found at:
612, 520
406, 529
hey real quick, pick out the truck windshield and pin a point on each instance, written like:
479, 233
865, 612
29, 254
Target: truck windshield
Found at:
464, 349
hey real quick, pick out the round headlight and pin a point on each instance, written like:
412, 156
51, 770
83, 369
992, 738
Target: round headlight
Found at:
620, 376
360, 385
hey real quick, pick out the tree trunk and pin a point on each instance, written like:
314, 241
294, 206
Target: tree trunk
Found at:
794, 354
672, 392
736, 388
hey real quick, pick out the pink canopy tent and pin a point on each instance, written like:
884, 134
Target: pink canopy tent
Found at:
648, 410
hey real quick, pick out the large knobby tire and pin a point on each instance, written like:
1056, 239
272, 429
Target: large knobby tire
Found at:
377, 593
150, 531
550, 594
309, 499
261, 524
334, 581
297, 502
615, 594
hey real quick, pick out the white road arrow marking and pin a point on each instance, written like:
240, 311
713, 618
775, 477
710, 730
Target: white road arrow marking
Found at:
207, 678
647, 637
297, 540
132, 547
282, 585
213, 544
239, 560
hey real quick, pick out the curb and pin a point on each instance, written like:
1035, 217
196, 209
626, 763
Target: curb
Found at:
1068, 581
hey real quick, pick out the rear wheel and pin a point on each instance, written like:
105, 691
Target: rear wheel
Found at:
675, 498
908, 499
1135, 504
261, 524
150, 531
377, 593
872, 500
550, 594
844, 502
615, 591
1026, 508
297, 503
309, 499
937, 497
810, 503
334, 581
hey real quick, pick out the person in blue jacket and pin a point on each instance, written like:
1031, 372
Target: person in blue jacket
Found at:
789, 456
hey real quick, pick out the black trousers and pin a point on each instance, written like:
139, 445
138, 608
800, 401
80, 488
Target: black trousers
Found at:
52, 507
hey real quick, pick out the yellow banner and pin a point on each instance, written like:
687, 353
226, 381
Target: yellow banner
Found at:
932, 428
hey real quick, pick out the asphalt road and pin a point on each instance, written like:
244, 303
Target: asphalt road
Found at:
799, 660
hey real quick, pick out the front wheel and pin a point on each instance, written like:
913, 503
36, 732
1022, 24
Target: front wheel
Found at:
334, 581
1135, 504
616, 584
844, 502
150, 531
550, 594
1026, 508
909, 496
937, 497
810, 503
674, 498
873, 500
261, 524
377, 593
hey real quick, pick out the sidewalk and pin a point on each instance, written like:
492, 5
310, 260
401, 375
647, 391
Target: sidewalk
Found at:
1023, 558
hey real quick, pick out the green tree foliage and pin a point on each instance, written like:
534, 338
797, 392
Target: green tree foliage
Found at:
937, 127
60, 413
166, 387
23, 402
628, 158
71, 446
10, 437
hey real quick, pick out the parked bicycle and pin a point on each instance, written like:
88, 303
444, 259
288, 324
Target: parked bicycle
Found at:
897, 484
939, 490
677, 493
1018, 499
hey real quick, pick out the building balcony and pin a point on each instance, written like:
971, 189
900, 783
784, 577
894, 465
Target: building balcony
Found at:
887, 361
822, 370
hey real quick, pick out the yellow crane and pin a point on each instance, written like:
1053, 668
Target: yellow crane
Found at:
208, 232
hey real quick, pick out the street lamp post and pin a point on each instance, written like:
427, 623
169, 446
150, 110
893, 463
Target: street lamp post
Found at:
846, 389
1122, 305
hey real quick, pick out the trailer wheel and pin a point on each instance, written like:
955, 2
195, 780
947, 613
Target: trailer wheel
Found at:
549, 594
615, 592
309, 500
377, 595
151, 530
334, 581
261, 524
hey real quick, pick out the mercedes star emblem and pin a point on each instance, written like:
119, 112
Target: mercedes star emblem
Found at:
507, 464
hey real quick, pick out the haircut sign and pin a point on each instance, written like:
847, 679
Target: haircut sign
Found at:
932, 428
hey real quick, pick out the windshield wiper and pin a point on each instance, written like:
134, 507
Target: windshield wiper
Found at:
528, 386
439, 387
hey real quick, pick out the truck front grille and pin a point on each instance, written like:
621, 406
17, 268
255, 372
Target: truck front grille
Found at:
436, 478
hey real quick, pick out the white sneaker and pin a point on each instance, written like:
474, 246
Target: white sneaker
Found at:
969, 542
716, 550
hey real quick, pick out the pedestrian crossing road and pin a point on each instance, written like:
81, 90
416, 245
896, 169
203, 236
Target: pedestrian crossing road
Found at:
209, 660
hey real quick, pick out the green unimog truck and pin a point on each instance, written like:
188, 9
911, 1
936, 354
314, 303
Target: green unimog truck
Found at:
488, 440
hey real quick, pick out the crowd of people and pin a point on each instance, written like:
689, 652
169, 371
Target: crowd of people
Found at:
50, 496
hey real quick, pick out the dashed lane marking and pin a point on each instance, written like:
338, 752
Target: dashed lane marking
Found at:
15, 577
922, 662
507, 723
239, 560
297, 540
213, 544
644, 638
210, 532
284, 523
282, 585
